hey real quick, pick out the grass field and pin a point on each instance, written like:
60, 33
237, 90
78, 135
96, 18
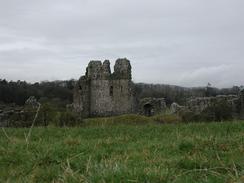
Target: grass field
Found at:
178, 153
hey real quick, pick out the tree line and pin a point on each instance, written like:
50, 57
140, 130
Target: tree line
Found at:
19, 91
62, 91
180, 94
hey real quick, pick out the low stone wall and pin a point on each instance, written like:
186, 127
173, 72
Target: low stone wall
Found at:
199, 104
12, 115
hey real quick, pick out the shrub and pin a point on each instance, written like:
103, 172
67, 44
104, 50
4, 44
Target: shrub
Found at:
189, 116
69, 118
46, 115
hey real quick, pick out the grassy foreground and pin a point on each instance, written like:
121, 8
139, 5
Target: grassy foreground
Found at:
200, 152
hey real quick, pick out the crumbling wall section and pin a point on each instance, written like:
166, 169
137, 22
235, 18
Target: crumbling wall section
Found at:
199, 104
151, 106
100, 101
81, 100
123, 96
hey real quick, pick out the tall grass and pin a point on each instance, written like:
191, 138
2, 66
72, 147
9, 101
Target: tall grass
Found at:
179, 153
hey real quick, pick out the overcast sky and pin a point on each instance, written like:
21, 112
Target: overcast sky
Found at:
182, 42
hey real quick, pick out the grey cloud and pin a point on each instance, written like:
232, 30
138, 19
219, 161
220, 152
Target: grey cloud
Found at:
178, 42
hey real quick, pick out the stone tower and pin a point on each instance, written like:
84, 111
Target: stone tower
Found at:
102, 93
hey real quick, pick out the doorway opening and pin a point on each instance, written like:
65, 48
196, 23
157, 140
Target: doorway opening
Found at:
148, 110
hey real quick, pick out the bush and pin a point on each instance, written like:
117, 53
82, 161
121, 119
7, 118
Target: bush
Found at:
47, 115
189, 116
18, 120
51, 114
69, 118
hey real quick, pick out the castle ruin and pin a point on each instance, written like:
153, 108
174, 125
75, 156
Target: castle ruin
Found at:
102, 93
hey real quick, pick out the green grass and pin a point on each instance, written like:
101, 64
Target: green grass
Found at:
178, 153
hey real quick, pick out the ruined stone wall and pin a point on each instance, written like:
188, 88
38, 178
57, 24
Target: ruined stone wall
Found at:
102, 93
124, 100
122, 70
151, 106
12, 115
100, 101
81, 101
199, 104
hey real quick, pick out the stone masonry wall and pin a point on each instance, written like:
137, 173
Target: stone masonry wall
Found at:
102, 93
199, 104
81, 101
